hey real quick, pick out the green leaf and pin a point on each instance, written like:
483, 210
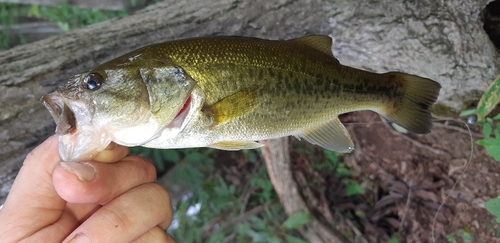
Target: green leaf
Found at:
492, 146
450, 238
291, 239
487, 129
360, 213
141, 151
493, 151
296, 220
216, 237
244, 229
251, 155
158, 160
497, 117
189, 174
342, 171
489, 142
194, 157
64, 26
394, 239
257, 223
468, 112
34, 11
332, 156
489, 100
274, 239
171, 155
466, 237
493, 206
157, 156
355, 188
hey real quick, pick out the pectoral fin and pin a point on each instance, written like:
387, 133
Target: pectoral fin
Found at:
331, 136
233, 105
236, 145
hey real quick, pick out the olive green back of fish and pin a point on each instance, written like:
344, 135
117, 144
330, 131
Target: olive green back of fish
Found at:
295, 87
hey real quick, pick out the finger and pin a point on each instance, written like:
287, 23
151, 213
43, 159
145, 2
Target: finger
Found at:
52, 232
32, 202
82, 212
156, 234
112, 153
95, 182
128, 216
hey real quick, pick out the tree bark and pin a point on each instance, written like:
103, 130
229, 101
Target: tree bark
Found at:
441, 40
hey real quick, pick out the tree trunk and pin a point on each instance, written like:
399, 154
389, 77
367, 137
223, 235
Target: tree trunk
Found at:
441, 40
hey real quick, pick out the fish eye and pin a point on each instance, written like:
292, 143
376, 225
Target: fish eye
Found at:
93, 81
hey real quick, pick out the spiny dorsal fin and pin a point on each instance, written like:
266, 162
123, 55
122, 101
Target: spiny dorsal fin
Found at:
322, 43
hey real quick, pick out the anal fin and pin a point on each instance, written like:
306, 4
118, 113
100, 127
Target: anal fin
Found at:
236, 145
331, 135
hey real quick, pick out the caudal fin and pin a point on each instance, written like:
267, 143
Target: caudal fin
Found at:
411, 111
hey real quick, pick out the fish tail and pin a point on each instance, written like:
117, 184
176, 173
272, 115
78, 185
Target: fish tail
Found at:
411, 109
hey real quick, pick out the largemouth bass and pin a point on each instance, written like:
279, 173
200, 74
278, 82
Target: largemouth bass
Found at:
227, 93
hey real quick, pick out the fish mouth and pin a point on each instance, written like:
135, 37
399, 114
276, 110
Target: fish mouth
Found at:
61, 113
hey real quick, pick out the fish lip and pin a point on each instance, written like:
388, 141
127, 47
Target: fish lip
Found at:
61, 113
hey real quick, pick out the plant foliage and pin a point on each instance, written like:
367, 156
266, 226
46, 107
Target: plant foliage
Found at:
491, 131
491, 128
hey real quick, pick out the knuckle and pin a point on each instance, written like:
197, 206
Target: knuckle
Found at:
160, 197
156, 234
117, 217
148, 169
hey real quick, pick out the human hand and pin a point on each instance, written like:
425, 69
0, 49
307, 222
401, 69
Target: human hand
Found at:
110, 199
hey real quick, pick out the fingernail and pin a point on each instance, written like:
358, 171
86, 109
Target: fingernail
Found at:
84, 171
80, 238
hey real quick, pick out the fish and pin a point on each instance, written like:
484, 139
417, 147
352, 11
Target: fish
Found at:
229, 92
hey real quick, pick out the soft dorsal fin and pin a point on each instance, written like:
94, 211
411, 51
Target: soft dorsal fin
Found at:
322, 43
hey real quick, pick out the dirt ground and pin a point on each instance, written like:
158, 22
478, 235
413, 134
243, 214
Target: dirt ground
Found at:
409, 192
409, 181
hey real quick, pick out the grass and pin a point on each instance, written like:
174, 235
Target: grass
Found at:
66, 17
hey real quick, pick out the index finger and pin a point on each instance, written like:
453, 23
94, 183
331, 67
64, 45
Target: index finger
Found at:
33, 202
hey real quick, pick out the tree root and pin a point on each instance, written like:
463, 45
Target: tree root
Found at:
277, 157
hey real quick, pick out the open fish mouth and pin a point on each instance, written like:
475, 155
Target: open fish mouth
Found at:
61, 113
75, 143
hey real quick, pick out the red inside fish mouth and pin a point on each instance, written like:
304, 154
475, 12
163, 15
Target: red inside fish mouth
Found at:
61, 113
